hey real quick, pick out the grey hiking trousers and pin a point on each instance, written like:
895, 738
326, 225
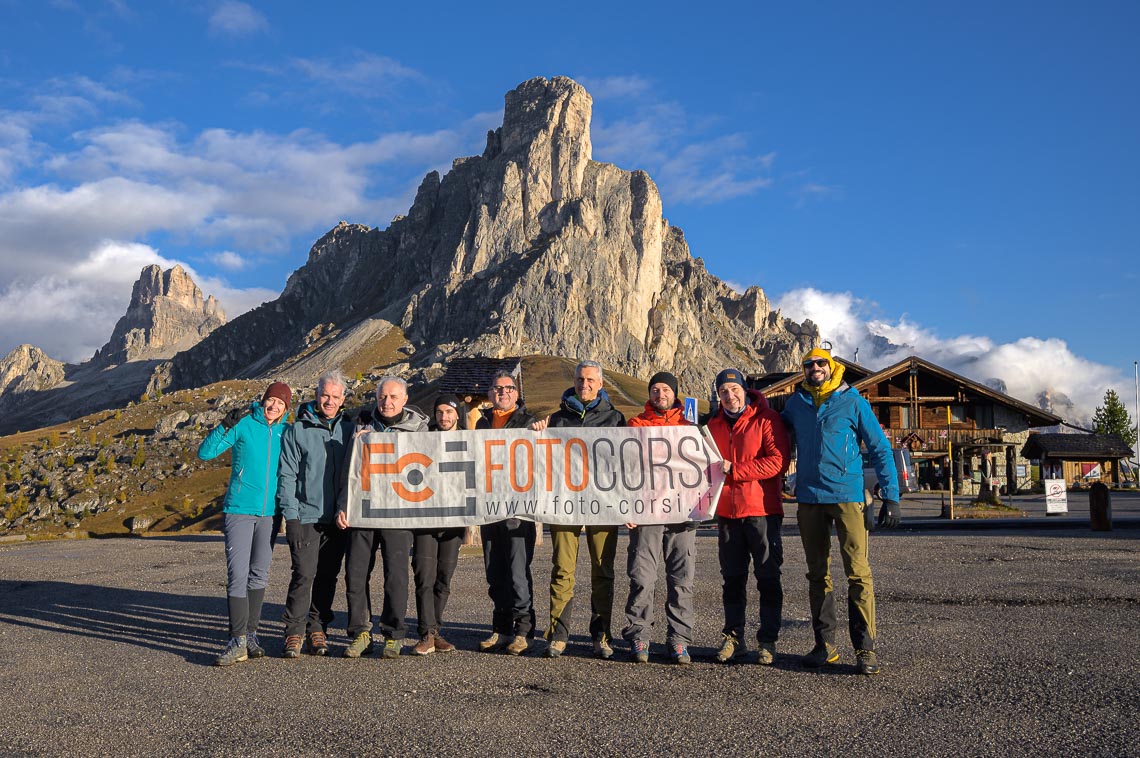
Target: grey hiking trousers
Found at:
649, 546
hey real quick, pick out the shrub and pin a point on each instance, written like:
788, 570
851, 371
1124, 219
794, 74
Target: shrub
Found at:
16, 506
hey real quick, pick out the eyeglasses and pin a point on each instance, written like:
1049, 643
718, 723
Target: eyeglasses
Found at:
502, 389
817, 362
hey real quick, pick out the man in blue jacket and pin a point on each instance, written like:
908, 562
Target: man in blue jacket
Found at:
313, 450
829, 420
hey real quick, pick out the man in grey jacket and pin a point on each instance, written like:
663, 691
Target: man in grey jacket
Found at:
308, 486
391, 415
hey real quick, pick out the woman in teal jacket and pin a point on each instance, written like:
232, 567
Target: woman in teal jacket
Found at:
250, 504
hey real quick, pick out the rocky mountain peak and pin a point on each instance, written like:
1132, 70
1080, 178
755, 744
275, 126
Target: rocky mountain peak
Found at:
167, 314
531, 247
27, 368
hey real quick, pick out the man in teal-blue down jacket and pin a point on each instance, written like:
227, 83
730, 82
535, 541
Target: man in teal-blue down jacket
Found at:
829, 420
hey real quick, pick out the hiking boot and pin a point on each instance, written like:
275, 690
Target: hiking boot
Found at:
766, 654
518, 645
492, 643
639, 652
393, 646
730, 647
867, 662
821, 655
602, 649
292, 646
235, 652
555, 649
252, 647
680, 654
442, 645
426, 646
318, 643
361, 645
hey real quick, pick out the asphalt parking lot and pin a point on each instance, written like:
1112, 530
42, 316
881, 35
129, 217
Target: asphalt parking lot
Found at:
1016, 640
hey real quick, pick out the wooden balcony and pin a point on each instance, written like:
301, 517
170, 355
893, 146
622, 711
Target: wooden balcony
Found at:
934, 439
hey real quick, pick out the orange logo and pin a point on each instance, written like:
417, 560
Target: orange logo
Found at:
414, 477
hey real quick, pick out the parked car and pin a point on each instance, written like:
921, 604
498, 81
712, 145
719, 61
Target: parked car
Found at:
908, 478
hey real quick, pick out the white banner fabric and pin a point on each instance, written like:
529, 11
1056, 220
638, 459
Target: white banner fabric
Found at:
592, 476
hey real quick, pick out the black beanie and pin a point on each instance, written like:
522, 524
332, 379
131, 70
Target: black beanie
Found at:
446, 398
664, 377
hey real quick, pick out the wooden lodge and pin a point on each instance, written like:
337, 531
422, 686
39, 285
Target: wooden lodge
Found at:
470, 379
933, 411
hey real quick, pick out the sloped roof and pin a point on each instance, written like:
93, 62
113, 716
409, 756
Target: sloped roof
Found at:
473, 375
1035, 415
1073, 447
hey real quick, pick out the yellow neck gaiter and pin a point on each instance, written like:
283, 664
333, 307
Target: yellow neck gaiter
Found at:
821, 393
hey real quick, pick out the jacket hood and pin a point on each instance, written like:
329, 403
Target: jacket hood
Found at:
572, 404
310, 414
412, 419
754, 402
674, 416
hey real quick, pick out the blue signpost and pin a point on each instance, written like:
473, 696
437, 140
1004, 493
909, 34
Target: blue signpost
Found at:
691, 409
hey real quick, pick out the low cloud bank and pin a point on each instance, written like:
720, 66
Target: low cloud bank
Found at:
1043, 372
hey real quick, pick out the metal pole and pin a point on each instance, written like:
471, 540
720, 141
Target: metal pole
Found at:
950, 457
1136, 420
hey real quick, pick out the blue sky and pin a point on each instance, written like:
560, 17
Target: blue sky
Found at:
961, 177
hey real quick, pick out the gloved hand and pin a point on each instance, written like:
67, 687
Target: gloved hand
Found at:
890, 515
868, 518
230, 420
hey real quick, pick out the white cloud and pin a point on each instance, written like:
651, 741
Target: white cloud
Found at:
236, 19
1028, 368
250, 189
71, 313
365, 74
613, 87
228, 260
689, 163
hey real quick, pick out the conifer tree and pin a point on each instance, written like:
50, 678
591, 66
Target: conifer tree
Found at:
1112, 418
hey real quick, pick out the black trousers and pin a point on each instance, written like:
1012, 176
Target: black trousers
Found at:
395, 547
317, 552
508, 549
433, 564
755, 539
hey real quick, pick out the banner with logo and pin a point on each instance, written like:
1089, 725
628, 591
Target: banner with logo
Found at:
641, 475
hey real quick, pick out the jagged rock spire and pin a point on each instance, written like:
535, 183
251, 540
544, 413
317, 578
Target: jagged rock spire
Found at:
167, 314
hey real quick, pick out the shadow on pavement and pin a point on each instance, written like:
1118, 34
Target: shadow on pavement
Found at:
186, 625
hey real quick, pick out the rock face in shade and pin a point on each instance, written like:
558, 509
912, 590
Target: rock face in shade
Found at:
532, 247
167, 314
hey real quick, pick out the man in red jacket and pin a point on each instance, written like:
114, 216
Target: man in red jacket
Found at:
754, 444
651, 544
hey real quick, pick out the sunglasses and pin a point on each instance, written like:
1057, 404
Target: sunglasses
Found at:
503, 389
817, 362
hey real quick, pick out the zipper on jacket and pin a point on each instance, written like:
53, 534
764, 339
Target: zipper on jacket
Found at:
268, 456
